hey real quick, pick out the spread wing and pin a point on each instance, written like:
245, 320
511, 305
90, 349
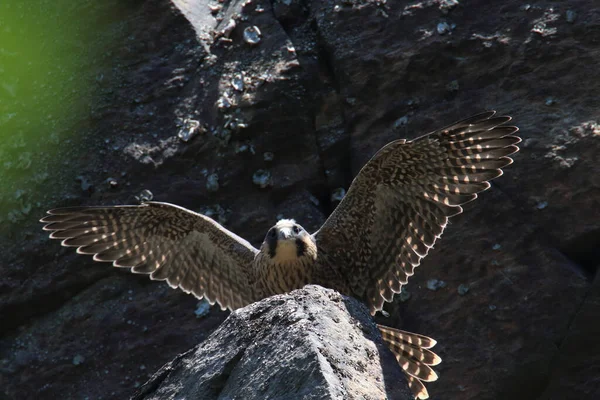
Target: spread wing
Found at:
400, 202
188, 250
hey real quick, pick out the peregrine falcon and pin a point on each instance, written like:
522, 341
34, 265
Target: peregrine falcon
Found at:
395, 209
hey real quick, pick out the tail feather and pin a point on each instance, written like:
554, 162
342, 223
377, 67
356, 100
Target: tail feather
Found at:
421, 354
415, 368
411, 352
417, 387
406, 337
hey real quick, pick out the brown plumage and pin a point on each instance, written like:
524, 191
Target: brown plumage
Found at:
412, 353
395, 209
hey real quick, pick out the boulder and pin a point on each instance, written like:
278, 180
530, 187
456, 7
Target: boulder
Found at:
312, 343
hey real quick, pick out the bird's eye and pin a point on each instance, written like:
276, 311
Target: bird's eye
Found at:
272, 233
296, 229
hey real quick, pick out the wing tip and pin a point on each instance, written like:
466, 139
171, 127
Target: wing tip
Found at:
47, 228
65, 210
485, 114
432, 377
65, 243
80, 249
437, 360
457, 210
55, 234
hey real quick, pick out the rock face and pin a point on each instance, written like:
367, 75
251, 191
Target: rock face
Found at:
312, 343
186, 107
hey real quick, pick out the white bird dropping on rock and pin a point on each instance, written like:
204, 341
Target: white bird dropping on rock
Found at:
268, 156
443, 28
78, 359
145, 195
237, 82
202, 309
252, 35
435, 284
338, 194
262, 178
212, 183
231, 24
463, 289
190, 128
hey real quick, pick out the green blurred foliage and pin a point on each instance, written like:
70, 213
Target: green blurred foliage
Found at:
46, 48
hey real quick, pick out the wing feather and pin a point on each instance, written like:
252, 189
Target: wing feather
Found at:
187, 250
400, 202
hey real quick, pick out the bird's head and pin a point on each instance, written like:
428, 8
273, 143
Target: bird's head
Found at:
287, 241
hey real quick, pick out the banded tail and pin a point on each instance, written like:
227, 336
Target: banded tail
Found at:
411, 352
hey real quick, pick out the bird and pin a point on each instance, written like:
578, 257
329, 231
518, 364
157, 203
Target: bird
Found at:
395, 209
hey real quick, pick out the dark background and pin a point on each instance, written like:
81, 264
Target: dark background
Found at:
327, 86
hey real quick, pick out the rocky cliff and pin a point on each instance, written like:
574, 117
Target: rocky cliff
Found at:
197, 105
